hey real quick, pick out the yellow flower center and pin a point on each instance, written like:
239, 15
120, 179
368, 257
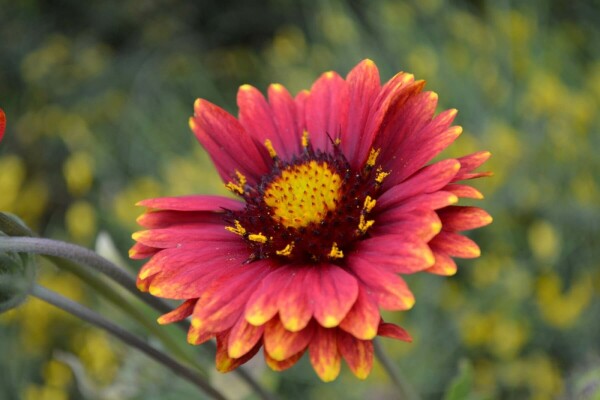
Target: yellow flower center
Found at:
303, 194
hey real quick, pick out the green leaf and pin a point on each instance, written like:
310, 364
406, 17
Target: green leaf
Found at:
462, 384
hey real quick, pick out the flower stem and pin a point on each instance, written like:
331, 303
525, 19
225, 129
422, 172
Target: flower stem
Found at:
407, 392
81, 256
93, 318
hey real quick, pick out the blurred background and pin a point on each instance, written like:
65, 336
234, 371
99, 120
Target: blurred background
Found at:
98, 94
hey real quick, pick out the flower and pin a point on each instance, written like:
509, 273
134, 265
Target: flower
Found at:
336, 202
2, 123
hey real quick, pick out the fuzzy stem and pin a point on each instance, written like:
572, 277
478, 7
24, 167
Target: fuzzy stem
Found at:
406, 391
127, 337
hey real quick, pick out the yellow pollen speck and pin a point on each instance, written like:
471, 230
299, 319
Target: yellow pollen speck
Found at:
337, 141
369, 204
270, 148
364, 225
335, 252
239, 186
373, 157
303, 193
238, 229
305, 139
381, 176
286, 251
260, 238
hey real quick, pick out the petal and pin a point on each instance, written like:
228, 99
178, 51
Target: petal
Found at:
326, 107
295, 305
300, 101
394, 332
230, 147
357, 353
285, 114
455, 245
427, 180
388, 289
139, 251
362, 321
282, 344
282, 365
363, 87
193, 203
421, 224
459, 218
333, 292
242, 338
471, 162
2, 123
464, 191
405, 254
169, 218
183, 235
262, 304
324, 355
198, 336
183, 311
223, 362
444, 264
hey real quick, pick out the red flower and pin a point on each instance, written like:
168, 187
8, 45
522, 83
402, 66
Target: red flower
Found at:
2, 123
336, 203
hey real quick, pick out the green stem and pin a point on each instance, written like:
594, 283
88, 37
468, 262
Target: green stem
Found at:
405, 389
127, 337
61, 250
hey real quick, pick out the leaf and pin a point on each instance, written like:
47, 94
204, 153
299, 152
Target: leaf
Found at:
462, 384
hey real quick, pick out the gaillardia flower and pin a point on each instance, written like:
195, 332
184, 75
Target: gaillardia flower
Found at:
335, 202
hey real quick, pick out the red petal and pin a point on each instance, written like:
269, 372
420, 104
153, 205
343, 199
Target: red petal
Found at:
431, 201
223, 362
295, 306
197, 335
286, 119
282, 365
457, 218
393, 331
421, 223
324, 355
193, 203
183, 235
2, 123
183, 311
362, 321
398, 253
465, 191
455, 245
169, 218
326, 108
444, 264
469, 163
389, 290
333, 292
262, 305
363, 85
357, 353
300, 101
230, 147
243, 337
282, 344
139, 251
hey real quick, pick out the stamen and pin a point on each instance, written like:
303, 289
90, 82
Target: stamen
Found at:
381, 175
238, 229
373, 157
257, 237
286, 251
270, 148
305, 139
239, 186
364, 225
336, 252
369, 204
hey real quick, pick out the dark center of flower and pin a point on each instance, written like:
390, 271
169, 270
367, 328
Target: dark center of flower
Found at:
309, 209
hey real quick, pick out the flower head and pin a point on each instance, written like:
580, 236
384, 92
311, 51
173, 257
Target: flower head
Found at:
335, 202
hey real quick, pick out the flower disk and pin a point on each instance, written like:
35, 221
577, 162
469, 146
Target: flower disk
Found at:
337, 200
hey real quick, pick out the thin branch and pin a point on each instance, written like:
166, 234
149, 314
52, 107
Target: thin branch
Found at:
407, 392
99, 321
